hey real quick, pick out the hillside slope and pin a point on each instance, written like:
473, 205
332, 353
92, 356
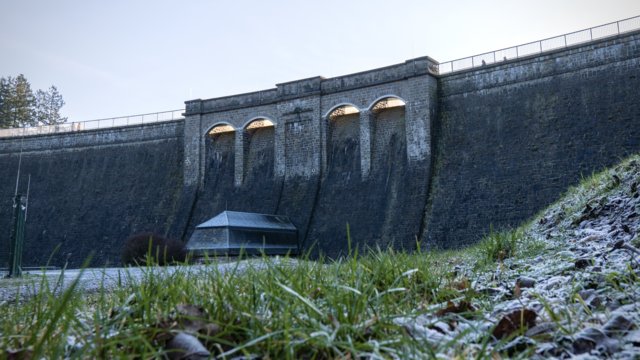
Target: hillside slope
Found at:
580, 292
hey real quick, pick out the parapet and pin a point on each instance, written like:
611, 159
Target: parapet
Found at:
317, 85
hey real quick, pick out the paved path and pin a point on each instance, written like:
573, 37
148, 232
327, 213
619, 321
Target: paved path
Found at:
93, 279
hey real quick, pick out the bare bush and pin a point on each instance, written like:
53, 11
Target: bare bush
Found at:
151, 248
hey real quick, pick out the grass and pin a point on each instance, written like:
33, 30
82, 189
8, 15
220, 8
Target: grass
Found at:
277, 308
280, 308
287, 308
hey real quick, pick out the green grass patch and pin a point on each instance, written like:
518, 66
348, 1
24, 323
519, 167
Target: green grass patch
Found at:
280, 308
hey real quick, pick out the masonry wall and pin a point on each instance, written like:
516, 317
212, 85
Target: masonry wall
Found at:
90, 190
511, 139
382, 209
259, 190
300, 126
369, 169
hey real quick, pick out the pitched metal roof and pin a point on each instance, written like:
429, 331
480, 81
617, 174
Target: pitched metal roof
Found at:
236, 219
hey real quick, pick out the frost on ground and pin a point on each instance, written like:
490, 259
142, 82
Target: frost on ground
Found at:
578, 297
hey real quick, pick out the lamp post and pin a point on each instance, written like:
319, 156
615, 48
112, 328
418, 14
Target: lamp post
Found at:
17, 235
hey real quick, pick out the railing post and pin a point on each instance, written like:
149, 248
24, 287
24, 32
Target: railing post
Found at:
590, 34
618, 27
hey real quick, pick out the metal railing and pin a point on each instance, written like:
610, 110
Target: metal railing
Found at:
537, 47
94, 124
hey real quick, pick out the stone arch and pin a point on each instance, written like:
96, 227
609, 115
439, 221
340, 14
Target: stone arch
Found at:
387, 132
219, 128
258, 122
342, 140
257, 141
340, 106
386, 101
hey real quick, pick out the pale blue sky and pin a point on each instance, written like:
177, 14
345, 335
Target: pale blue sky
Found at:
112, 58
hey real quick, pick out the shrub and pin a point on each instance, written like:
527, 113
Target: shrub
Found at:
151, 248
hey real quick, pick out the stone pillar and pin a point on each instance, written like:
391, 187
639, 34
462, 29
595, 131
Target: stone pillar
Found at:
365, 142
239, 156
419, 111
324, 143
280, 139
193, 141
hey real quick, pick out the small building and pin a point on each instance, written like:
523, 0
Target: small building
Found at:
233, 232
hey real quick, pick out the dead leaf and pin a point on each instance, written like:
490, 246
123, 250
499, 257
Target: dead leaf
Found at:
186, 346
514, 321
194, 319
317, 292
462, 284
210, 330
618, 325
516, 291
189, 320
21, 354
164, 333
462, 307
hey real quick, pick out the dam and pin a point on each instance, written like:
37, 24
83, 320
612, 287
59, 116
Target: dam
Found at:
414, 153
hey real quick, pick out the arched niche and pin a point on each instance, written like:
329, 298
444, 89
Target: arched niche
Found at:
258, 150
219, 154
388, 132
343, 140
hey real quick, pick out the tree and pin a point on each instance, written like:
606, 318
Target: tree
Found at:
6, 90
48, 105
23, 103
20, 107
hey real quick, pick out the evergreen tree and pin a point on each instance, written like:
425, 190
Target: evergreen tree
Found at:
6, 91
23, 103
48, 105
20, 107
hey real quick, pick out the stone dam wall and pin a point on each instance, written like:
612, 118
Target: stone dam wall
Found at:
400, 154
90, 190
512, 138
